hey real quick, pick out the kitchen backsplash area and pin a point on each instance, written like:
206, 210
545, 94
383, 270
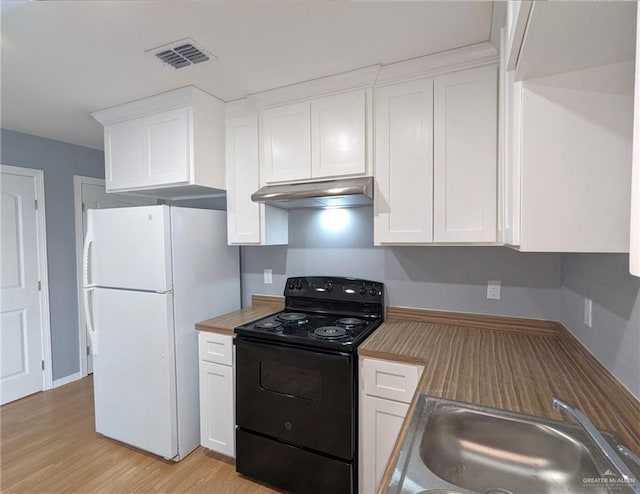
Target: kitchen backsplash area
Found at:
534, 285
340, 242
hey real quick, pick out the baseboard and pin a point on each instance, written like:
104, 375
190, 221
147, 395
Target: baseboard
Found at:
67, 379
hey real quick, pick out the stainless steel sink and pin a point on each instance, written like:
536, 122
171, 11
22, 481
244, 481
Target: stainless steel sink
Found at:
457, 448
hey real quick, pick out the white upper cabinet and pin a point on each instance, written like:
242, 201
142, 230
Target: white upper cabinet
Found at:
248, 222
404, 163
170, 145
169, 150
465, 156
547, 38
322, 138
338, 135
436, 159
567, 126
124, 143
286, 143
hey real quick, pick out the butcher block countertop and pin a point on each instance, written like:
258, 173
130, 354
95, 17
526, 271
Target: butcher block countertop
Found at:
514, 364
261, 306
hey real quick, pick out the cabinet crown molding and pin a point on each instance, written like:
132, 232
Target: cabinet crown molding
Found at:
315, 88
375, 75
439, 63
176, 98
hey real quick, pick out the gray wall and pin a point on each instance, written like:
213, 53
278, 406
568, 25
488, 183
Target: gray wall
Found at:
60, 161
545, 286
614, 338
442, 278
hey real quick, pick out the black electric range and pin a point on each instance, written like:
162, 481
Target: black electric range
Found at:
297, 385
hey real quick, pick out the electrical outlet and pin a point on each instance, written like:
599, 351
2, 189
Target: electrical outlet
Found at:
268, 277
588, 307
493, 289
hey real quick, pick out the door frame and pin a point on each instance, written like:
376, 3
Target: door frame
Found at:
78, 182
43, 267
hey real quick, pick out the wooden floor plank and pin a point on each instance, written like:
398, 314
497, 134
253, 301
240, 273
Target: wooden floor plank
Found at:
48, 444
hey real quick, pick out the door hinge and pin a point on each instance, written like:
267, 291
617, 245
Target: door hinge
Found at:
35, 204
39, 285
42, 364
88, 350
84, 207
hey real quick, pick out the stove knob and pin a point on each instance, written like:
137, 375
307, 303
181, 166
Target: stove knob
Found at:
290, 285
328, 286
372, 291
298, 284
363, 290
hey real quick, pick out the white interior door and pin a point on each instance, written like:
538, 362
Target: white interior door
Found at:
20, 309
91, 194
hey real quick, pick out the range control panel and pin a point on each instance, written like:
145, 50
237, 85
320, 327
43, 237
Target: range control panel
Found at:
335, 288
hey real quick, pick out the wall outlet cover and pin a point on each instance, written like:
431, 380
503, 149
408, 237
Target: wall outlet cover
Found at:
493, 289
268, 277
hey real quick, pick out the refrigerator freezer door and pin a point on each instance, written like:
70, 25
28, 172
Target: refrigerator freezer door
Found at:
129, 248
134, 369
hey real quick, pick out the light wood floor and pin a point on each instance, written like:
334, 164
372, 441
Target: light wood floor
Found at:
48, 445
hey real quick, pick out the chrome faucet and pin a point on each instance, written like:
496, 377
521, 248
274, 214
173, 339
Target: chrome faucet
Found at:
601, 443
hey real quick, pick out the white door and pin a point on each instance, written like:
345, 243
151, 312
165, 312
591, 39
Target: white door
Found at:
124, 146
381, 424
465, 156
168, 151
129, 248
338, 135
20, 309
217, 418
244, 216
403, 201
134, 378
285, 134
90, 193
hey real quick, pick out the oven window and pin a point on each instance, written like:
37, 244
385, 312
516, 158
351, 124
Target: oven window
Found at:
291, 380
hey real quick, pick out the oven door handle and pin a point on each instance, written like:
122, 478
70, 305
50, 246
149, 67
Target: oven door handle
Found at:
242, 341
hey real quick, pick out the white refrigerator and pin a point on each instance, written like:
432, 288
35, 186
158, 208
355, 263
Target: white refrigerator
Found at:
150, 273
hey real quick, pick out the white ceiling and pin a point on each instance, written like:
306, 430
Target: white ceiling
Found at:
63, 60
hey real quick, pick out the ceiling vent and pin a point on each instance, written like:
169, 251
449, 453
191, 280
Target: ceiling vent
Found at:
182, 53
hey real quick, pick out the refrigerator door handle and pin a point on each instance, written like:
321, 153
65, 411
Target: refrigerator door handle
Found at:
88, 319
88, 240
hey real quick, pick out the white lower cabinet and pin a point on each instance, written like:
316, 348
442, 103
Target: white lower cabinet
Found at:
217, 393
386, 389
381, 424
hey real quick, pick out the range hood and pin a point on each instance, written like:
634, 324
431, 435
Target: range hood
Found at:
345, 192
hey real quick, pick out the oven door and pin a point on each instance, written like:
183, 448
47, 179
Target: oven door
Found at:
303, 397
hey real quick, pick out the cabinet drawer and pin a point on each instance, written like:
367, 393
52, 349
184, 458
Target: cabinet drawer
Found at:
215, 347
390, 380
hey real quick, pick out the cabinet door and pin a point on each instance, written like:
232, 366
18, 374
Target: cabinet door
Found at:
381, 424
217, 417
242, 175
168, 147
286, 143
404, 163
124, 154
338, 135
465, 156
